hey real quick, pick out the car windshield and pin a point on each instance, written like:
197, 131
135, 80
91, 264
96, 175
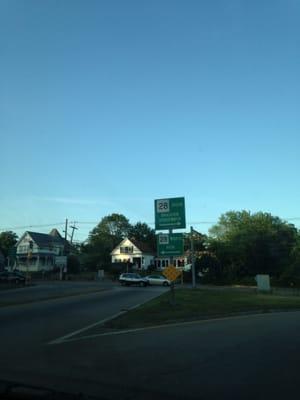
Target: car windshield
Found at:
149, 199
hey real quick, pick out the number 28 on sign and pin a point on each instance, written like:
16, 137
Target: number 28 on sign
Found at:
163, 206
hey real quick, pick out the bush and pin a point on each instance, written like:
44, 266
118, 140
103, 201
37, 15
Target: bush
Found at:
73, 264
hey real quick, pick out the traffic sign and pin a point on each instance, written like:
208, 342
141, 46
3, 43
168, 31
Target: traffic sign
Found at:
169, 245
171, 273
170, 213
61, 261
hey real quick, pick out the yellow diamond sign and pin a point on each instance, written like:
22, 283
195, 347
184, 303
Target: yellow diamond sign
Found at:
171, 273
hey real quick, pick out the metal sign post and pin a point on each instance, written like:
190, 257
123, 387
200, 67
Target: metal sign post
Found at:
172, 286
169, 215
193, 259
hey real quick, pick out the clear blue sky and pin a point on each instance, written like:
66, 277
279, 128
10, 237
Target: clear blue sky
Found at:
107, 105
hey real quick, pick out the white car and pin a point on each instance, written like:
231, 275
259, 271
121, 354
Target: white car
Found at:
130, 278
158, 280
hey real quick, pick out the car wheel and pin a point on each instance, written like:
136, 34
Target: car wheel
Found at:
165, 284
142, 284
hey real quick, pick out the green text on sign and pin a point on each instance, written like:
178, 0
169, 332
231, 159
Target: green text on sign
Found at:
170, 213
169, 245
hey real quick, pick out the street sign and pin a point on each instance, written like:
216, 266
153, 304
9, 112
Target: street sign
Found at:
170, 213
170, 245
61, 261
171, 273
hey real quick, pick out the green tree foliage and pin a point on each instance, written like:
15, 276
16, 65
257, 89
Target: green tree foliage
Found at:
143, 233
247, 244
95, 254
199, 241
73, 264
209, 266
291, 274
7, 241
114, 226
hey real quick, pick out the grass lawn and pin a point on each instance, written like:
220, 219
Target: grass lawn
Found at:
201, 304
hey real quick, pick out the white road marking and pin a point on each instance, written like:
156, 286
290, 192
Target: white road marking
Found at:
69, 335
77, 332
172, 325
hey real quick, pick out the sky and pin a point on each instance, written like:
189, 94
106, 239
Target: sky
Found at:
107, 105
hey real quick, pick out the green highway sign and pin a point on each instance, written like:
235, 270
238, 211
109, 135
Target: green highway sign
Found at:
170, 213
169, 245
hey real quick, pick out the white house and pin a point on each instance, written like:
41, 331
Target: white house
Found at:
163, 262
130, 250
38, 251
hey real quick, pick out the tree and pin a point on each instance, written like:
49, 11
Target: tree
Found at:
143, 233
95, 254
7, 241
73, 264
199, 241
114, 226
247, 244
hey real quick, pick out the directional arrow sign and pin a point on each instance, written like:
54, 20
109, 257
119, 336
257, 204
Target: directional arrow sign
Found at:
170, 244
170, 213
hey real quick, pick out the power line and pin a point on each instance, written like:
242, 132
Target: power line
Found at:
97, 222
32, 226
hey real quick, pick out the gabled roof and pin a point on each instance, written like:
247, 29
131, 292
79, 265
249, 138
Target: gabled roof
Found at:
44, 239
55, 233
143, 247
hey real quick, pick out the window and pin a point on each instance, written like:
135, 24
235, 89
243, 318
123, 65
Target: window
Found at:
126, 250
23, 249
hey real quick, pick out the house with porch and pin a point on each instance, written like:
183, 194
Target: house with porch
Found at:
134, 252
39, 251
140, 254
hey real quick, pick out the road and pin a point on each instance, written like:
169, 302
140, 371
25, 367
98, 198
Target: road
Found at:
42, 290
238, 358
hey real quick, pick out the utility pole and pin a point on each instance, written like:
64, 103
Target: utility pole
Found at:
73, 229
172, 285
66, 229
193, 259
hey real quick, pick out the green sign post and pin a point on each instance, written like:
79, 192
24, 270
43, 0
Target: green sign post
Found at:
170, 213
170, 244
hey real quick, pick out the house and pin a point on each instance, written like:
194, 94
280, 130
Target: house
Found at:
163, 262
140, 254
38, 251
135, 252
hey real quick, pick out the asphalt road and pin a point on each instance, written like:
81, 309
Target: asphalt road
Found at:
42, 290
234, 358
